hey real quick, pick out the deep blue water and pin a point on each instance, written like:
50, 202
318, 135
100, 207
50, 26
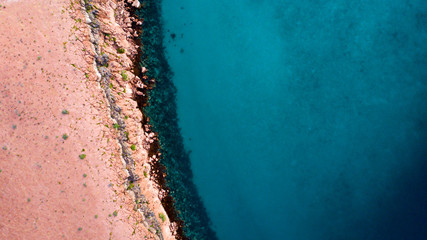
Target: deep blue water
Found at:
305, 119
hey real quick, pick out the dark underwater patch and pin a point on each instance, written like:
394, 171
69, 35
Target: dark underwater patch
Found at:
183, 204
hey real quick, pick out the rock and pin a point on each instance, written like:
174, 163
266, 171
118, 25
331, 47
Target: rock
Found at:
139, 84
104, 72
94, 24
136, 4
103, 59
95, 12
117, 109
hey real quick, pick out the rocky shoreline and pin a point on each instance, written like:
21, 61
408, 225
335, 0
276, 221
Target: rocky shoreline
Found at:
101, 61
147, 72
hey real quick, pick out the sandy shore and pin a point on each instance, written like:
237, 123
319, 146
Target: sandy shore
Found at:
62, 171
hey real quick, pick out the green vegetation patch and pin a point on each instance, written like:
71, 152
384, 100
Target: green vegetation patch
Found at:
64, 136
162, 216
124, 75
131, 185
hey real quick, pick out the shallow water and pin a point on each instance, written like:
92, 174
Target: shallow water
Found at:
305, 119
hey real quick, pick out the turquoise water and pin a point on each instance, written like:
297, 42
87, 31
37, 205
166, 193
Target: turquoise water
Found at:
305, 119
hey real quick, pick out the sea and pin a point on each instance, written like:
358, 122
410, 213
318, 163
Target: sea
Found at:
302, 120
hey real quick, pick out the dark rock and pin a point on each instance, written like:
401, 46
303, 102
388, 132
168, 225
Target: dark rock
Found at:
102, 60
104, 72
94, 24
95, 12
117, 108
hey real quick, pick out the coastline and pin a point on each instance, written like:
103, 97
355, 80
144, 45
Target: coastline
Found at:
173, 172
99, 52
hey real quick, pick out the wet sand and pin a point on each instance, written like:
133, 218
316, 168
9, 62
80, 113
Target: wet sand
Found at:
62, 175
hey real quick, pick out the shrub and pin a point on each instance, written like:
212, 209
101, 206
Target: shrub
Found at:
131, 185
121, 50
82, 156
162, 216
124, 75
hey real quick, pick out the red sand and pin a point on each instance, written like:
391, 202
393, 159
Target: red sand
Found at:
47, 191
